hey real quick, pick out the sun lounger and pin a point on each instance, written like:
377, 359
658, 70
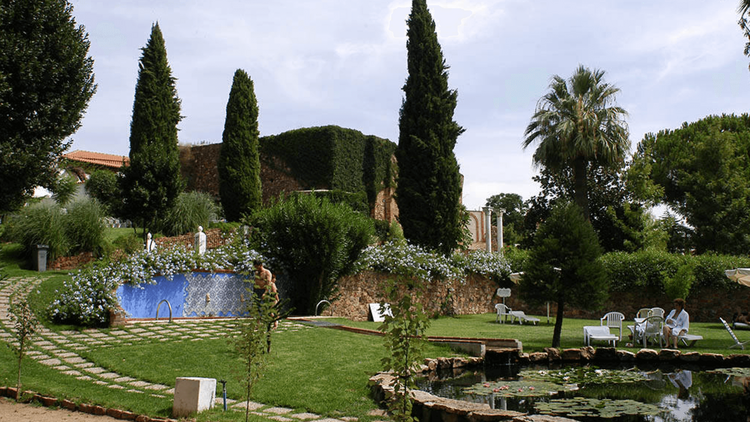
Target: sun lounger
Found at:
598, 332
692, 338
522, 317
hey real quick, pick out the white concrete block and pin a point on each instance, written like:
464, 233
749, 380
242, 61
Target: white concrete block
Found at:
193, 395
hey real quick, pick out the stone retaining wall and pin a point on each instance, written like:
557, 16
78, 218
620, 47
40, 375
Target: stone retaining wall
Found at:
477, 295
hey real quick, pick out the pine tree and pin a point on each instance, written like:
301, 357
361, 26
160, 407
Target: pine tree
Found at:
239, 161
46, 82
152, 182
428, 192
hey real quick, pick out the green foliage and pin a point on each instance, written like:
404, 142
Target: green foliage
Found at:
190, 210
357, 201
563, 266
102, 186
46, 84
428, 190
40, 224
678, 285
64, 189
404, 335
84, 226
702, 170
239, 160
25, 325
128, 243
152, 182
330, 157
579, 126
314, 242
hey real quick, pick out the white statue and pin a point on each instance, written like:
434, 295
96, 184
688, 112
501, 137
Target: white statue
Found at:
150, 244
200, 241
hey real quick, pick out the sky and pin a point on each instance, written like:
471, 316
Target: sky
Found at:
343, 62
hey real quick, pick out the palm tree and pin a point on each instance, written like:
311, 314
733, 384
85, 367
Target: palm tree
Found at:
577, 124
743, 9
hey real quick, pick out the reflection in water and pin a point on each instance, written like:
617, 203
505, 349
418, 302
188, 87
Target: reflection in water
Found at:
683, 395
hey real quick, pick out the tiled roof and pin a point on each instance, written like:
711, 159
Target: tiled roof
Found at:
107, 160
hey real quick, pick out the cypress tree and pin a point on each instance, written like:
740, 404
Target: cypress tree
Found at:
152, 182
428, 192
239, 160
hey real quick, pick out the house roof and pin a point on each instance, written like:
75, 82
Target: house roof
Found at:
106, 160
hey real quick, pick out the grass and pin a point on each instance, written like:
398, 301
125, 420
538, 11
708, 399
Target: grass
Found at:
535, 338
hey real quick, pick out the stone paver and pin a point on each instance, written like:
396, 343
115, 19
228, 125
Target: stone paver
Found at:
63, 346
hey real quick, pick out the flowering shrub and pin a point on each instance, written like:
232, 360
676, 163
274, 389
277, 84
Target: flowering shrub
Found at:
87, 298
409, 260
493, 266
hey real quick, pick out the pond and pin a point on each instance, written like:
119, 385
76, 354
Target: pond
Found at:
588, 393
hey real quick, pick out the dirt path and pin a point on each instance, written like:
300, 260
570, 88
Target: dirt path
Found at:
10, 411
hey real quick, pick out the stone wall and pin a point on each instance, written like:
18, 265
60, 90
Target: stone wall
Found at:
356, 292
477, 295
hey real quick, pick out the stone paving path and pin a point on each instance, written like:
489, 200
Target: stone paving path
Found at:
62, 350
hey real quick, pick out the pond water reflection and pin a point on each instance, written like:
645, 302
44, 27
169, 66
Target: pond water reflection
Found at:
589, 393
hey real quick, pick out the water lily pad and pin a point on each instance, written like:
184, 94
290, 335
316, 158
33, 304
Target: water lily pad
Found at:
597, 408
737, 372
585, 375
522, 388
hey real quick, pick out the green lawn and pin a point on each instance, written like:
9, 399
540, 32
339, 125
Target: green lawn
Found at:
716, 339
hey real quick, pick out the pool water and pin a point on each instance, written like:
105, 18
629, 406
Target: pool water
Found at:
619, 394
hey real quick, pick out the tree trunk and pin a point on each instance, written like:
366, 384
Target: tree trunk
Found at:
558, 322
580, 193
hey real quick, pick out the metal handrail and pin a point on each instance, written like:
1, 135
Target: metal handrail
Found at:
170, 310
319, 303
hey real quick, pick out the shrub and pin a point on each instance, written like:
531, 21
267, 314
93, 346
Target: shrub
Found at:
102, 186
191, 209
401, 258
129, 243
40, 224
314, 241
490, 265
84, 226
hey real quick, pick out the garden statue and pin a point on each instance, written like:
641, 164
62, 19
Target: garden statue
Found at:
150, 244
200, 241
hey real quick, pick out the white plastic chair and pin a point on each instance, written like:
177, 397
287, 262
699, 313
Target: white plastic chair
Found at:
613, 320
657, 312
652, 329
502, 313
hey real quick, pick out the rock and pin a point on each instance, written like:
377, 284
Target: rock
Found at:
711, 359
537, 357
605, 354
572, 355
460, 362
669, 354
553, 354
587, 353
737, 360
114, 413
86, 408
432, 364
647, 354
542, 418
690, 357
100, 410
67, 404
444, 363
491, 415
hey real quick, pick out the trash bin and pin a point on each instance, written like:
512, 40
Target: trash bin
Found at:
41, 258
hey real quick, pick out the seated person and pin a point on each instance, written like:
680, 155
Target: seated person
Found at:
677, 322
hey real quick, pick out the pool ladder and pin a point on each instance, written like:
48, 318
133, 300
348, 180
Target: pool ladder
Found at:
170, 310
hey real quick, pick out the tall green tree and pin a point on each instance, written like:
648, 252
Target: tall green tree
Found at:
702, 171
239, 160
428, 191
577, 124
46, 82
563, 266
152, 182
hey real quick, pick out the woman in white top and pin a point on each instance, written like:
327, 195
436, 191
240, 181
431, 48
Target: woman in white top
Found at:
677, 322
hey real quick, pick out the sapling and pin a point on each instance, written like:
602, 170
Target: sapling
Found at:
253, 339
404, 326
25, 325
